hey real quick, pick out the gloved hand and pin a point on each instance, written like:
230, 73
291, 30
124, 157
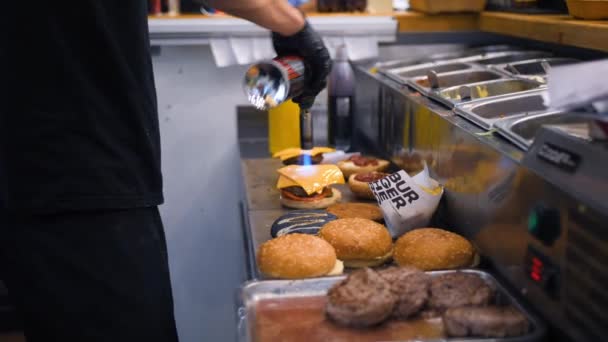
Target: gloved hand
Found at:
308, 45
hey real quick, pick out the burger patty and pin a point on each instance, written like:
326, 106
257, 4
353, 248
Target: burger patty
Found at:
490, 321
361, 300
459, 289
298, 191
410, 286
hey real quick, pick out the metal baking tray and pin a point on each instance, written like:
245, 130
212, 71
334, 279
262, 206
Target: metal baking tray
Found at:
423, 84
402, 75
521, 131
485, 113
484, 90
533, 67
254, 292
512, 56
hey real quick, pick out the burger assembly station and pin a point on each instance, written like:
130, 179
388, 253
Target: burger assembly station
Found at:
469, 206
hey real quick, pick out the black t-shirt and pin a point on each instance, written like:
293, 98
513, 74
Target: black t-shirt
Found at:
78, 113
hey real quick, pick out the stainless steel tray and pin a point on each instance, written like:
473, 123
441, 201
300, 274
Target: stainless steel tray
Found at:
484, 90
452, 79
254, 292
521, 131
533, 67
476, 53
486, 112
404, 74
512, 56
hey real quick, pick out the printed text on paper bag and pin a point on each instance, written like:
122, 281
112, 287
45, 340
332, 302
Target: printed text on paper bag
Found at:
394, 188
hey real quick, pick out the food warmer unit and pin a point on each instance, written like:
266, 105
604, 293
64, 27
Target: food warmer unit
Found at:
526, 184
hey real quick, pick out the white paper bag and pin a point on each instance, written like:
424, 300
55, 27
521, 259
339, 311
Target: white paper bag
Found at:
407, 202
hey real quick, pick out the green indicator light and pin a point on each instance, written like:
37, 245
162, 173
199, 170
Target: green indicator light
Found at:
532, 222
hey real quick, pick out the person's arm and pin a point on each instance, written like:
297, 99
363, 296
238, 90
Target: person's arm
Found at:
276, 15
291, 35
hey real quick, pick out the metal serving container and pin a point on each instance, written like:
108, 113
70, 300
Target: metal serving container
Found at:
402, 75
434, 81
521, 131
512, 56
484, 90
485, 113
470, 53
533, 67
254, 292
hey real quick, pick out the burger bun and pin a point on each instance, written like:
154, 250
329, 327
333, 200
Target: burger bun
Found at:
296, 256
432, 249
359, 242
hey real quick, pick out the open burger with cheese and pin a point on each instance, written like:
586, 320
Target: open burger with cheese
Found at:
360, 164
299, 156
359, 183
309, 186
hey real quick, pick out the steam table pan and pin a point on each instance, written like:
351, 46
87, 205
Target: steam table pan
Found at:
522, 130
485, 113
512, 57
484, 90
533, 67
446, 56
404, 74
255, 293
439, 81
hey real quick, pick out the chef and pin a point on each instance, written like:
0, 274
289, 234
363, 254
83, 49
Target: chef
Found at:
82, 247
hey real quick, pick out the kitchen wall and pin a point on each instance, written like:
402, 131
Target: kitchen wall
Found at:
201, 166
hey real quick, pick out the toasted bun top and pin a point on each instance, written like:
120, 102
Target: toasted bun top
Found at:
357, 238
312, 178
296, 256
433, 249
356, 210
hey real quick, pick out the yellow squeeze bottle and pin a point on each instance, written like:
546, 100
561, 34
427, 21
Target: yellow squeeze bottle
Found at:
283, 126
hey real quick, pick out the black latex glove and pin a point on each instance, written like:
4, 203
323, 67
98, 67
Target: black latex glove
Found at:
308, 45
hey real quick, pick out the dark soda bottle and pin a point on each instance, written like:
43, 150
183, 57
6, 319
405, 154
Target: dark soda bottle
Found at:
340, 102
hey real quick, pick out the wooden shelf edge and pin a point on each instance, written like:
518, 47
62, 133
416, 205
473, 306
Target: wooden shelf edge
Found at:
419, 22
558, 29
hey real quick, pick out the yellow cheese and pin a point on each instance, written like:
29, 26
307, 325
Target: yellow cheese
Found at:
294, 152
285, 182
312, 178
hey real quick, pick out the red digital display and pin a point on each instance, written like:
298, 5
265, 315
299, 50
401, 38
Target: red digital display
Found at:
536, 271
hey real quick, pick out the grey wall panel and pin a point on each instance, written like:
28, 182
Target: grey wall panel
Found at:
197, 108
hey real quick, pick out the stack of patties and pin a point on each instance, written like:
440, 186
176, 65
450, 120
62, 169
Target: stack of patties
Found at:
309, 186
359, 242
463, 300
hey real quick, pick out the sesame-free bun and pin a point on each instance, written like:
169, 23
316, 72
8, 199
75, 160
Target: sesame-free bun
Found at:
434, 249
316, 204
361, 189
348, 167
296, 256
358, 242
357, 210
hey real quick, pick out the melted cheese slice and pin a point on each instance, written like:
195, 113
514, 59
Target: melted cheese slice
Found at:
294, 152
312, 178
